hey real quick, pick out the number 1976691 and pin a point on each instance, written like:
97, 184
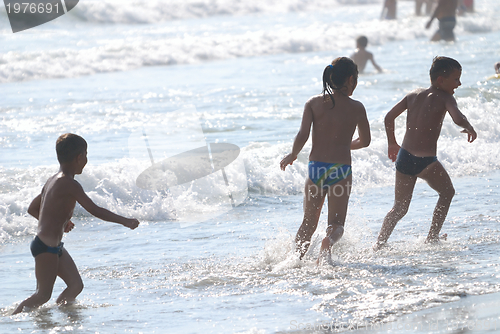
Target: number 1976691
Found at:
32, 8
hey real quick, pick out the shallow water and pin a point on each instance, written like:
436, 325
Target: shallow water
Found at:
238, 73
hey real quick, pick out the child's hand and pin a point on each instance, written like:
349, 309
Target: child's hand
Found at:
393, 151
131, 223
69, 226
287, 160
471, 134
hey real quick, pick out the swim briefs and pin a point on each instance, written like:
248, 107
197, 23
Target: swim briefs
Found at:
446, 26
409, 164
325, 174
38, 247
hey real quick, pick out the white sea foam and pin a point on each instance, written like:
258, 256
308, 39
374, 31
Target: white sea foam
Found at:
139, 12
116, 49
112, 185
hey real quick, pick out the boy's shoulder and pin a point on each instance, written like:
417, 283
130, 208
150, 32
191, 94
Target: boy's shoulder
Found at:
431, 96
61, 183
363, 52
418, 91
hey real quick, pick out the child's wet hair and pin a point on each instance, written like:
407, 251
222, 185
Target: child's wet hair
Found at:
362, 41
69, 146
442, 67
336, 75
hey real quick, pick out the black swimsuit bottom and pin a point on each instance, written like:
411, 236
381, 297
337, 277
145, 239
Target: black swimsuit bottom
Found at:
38, 247
409, 164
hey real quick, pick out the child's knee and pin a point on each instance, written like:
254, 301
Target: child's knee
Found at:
77, 287
400, 210
447, 193
43, 296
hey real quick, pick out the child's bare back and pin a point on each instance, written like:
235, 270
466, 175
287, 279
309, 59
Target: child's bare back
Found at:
361, 55
334, 117
333, 128
426, 111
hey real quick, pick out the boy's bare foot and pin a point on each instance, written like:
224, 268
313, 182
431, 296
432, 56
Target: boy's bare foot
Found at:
378, 246
324, 251
333, 234
436, 240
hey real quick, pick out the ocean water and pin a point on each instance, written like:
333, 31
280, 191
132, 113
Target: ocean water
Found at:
166, 77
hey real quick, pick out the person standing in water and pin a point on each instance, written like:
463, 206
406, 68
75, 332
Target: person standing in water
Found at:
361, 55
389, 10
53, 208
445, 12
334, 117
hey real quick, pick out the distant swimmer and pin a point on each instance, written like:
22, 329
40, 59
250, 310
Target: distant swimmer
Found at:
53, 209
497, 71
334, 117
389, 10
416, 158
445, 12
361, 55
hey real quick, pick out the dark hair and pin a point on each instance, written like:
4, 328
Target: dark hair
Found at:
336, 75
69, 146
442, 67
362, 41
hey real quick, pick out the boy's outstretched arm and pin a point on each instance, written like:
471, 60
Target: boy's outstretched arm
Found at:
301, 137
375, 64
398, 109
460, 119
34, 208
434, 14
365, 137
101, 213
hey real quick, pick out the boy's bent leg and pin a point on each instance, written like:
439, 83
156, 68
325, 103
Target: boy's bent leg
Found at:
439, 180
313, 202
403, 192
70, 275
338, 200
46, 265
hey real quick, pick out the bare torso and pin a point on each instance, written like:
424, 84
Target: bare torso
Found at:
332, 129
56, 209
361, 57
426, 111
446, 8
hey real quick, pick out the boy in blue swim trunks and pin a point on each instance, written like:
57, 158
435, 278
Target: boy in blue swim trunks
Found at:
334, 117
416, 158
53, 208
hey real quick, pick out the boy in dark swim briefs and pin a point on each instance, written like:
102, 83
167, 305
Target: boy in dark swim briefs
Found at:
416, 158
53, 208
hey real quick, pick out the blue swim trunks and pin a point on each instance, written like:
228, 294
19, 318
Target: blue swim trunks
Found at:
325, 174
